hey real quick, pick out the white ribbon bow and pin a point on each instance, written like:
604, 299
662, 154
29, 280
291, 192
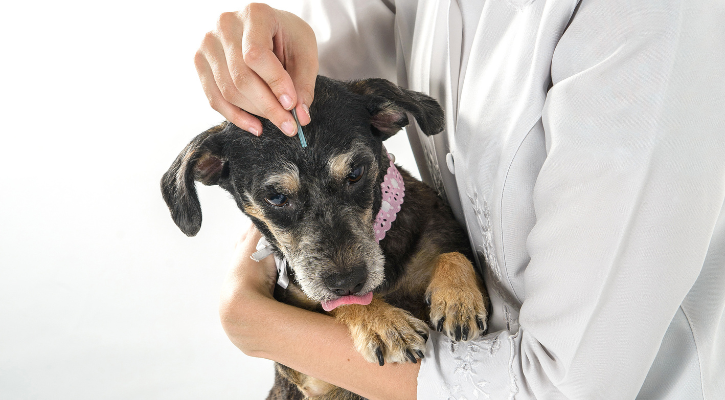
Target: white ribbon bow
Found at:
264, 249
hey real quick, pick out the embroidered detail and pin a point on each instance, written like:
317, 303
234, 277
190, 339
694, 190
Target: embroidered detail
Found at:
468, 357
431, 161
449, 392
483, 216
513, 386
485, 255
507, 316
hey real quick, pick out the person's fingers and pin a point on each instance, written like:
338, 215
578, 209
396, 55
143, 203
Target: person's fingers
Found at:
258, 276
304, 75
259, 98
298, 53
241, 63
263, 51
213, 52
249, 238
260, 62
262, 99
245, 89
217, 101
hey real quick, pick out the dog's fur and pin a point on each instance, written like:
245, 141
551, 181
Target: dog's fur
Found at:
324, 227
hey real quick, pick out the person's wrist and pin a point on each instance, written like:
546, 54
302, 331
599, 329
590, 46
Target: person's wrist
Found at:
242, 316
243, 289
247, 290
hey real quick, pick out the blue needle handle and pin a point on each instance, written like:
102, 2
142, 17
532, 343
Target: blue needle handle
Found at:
303, 142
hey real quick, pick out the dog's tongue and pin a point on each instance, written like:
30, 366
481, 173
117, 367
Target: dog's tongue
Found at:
362, 300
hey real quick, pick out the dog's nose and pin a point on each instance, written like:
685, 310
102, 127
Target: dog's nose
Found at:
347, 283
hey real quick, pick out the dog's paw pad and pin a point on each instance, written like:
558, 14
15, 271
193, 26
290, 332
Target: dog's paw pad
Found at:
393, 336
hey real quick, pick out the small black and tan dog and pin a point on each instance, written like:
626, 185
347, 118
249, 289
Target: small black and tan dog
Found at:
317, 206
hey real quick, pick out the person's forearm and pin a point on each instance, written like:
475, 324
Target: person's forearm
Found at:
317, 345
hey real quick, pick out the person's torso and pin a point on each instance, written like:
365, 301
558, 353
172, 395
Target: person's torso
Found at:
492, 80
493, 86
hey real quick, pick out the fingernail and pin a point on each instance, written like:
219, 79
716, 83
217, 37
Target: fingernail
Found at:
286, 102
289, 128
253, 131
307, 110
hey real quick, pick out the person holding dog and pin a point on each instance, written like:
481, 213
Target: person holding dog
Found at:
583, 152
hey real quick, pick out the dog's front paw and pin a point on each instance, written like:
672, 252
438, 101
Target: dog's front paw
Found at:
457, 304
383, 333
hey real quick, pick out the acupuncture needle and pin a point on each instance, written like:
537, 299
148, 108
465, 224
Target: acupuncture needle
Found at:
303, 142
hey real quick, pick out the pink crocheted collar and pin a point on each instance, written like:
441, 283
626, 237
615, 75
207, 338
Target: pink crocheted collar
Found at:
393, 192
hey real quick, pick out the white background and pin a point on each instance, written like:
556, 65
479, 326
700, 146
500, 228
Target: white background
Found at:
101, 296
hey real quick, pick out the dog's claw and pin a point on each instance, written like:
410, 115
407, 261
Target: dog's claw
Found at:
481, 325
379, 354
459, 333
439, 327
465, 332
420, 354
411, 357
424, 336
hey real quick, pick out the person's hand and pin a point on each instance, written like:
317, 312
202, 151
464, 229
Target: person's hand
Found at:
259, 61
246, 277
249, 285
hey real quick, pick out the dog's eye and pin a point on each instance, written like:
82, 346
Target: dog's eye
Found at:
355, 175
277, 200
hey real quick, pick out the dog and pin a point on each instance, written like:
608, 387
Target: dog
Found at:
320, 208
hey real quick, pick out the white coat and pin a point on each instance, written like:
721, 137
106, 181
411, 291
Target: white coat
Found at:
588, 165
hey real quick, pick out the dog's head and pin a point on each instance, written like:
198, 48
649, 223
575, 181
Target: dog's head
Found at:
316, 205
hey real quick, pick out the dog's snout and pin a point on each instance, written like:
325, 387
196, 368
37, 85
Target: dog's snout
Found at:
347, 283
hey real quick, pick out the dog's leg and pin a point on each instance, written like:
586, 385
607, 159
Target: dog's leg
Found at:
294, 385
383, 333
284, 388
456, 298
304, 386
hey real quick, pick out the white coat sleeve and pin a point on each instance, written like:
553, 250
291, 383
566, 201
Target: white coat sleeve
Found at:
626, 204
355, 38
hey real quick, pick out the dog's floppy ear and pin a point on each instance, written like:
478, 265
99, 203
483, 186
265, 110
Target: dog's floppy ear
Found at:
201, 160
389, 103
